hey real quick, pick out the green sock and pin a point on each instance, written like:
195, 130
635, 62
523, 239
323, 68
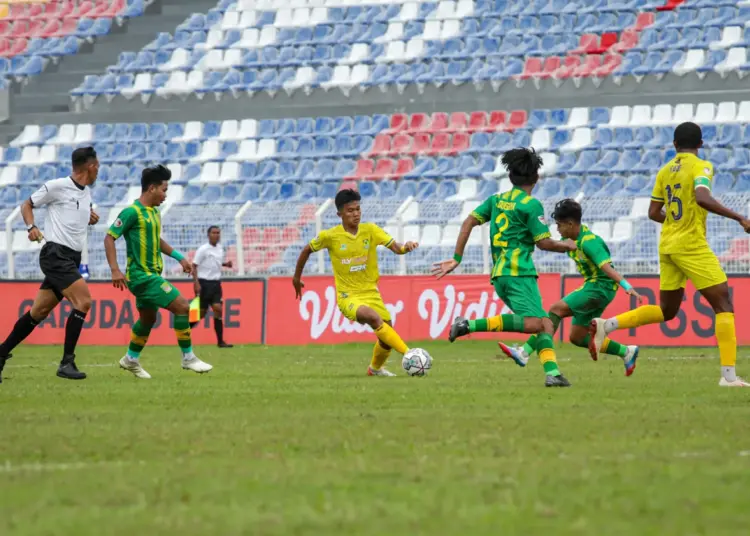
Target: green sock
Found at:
530, 346
182, 330
513, 323
138, 339
544, 342
613, 348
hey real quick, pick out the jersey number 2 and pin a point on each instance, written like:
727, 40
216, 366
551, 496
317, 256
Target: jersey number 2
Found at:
672, 199
502, 223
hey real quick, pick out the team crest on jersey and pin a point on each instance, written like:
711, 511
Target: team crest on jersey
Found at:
166, 287
343, 246
707, 171
118, 222
367, 243
542, 220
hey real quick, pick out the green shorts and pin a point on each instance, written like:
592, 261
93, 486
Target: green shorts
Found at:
589, 302
153, 292
521, 294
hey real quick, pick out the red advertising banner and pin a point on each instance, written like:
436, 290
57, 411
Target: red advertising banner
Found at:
693, 326
113, 313
421, 308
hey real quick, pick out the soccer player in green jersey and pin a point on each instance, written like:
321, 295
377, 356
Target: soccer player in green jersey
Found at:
517, 225
140, 224
600, 283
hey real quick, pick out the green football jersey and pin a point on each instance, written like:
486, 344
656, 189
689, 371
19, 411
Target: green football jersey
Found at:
141, 227
516, 225
591, 255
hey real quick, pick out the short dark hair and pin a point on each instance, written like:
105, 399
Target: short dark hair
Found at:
154, 175
81, 156
568, 210
346, 196
523, 165
688, 136
212, 227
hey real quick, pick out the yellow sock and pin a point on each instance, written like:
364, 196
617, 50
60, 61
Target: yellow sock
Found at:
547, 355
389, 337
495, 323
643, 315
726, 337
379, 356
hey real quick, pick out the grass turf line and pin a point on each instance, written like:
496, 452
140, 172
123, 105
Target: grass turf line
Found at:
299, 441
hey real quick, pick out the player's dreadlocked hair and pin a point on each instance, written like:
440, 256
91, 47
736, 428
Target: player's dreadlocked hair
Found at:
523, 165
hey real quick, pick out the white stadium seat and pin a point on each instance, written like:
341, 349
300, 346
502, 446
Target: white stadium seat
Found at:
620, 116
579, 117
582, 138
690, 62
705, 113
540, 139
640, 116
30, 134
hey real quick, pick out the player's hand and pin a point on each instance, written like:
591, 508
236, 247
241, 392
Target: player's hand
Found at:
745, 225
633, 293
118, 280
298, 286
197, 288
35, 235
228, 264
571, 244
186, 266
410, 246
443, 268
93, 218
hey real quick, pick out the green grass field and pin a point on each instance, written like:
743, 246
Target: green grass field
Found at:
300, 441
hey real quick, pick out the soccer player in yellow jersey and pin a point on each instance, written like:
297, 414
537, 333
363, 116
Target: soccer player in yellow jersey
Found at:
352, 247
680, 201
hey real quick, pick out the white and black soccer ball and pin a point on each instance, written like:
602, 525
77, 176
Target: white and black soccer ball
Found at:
417, 362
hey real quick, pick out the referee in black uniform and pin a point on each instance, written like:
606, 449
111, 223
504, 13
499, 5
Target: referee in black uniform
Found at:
207, 265
69, 213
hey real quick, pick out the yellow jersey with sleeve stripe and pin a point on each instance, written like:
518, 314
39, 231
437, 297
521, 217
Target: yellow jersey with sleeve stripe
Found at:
684, 228
354, 257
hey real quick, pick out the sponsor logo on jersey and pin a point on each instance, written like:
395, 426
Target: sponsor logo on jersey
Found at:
358, 268
343, 246
354, 260
166, 287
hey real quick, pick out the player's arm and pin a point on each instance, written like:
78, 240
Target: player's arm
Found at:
320, 242
479, 216
381, 238
594, 249
176, 255
656, 207
125, 220
540, 231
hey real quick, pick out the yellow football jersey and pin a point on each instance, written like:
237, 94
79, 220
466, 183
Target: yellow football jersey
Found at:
684, 228
354, 258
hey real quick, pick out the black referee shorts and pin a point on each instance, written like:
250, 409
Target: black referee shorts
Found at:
59, 265
210, 292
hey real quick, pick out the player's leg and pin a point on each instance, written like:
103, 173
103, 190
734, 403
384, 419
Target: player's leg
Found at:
46, 300
79, 296
521, 354
672, 281
217, 306
380, 354
371, 310
180, 307
139, 334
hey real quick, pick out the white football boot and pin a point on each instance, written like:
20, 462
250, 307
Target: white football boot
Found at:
191, 362
134, 366
380, 372
739, 382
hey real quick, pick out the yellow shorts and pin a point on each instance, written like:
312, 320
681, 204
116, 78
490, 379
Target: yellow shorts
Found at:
701, 267
349, 303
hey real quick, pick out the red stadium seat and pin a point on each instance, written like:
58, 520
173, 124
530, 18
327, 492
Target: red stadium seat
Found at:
4, 47
34, 11
383, 169
399, 122
364, 169
273, 256
609, 65
739, 250
608, 39
307, 214
441, 143
17, 46
400, 144
628, 40
420, 145
460, 142
418, 122
251, 236
68, 27
587, 44
271, 236
670, 5
403, 166
570, 63
290, 235
498, 120
346, 185
458, 122
6, 28
590, 63
83, 9
644, 20
551, 64
517, 119
531, 69
381, 145
51, 27
477, 121
438, 122
18, 29
18, 11
254, 260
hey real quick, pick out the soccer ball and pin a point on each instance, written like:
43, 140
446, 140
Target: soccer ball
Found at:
417, 362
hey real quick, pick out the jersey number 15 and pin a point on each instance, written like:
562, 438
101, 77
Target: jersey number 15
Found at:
674, 201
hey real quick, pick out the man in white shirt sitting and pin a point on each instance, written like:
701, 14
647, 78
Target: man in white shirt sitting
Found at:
207, 265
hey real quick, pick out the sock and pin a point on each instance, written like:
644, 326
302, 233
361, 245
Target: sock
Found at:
727, 340
643, 315
512, 323
546, 350
530, 346
389, 337
182, 330
73, 327
219, 329
138, 339
22, 329
193, 324
379, 356
609, 347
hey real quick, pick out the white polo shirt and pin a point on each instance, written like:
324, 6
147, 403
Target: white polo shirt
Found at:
68, 211
209, 259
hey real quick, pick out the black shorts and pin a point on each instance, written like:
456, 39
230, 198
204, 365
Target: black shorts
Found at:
59, 265
210, 292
